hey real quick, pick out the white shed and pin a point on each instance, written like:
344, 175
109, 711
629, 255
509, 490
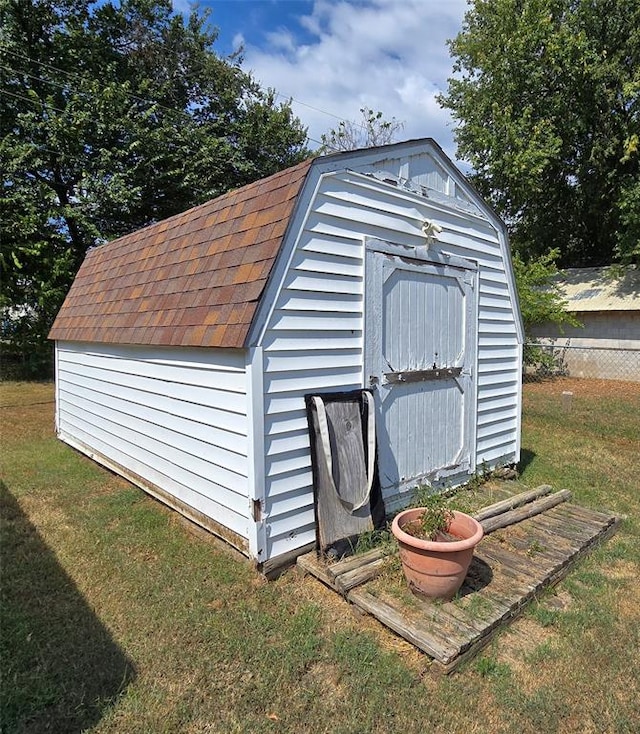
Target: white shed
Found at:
184, 350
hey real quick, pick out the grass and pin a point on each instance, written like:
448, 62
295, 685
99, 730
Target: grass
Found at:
116, 618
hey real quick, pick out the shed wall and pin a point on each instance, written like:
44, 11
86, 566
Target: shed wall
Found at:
314, 336
174, 417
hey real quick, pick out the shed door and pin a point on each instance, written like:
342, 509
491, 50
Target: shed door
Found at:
419, 357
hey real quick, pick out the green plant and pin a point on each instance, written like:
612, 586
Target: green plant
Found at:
544, 652
435, 518
371, 539
481, 476
534, 547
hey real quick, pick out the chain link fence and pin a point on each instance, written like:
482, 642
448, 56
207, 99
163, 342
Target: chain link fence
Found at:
585, 361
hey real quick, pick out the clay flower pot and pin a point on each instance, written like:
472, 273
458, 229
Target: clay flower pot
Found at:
436, 568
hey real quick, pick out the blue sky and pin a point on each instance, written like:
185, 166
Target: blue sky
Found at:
254, 19
335, 56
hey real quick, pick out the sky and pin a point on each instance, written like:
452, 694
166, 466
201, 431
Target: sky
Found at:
333, 57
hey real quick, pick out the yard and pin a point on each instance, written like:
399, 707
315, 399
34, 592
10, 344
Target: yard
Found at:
116, 617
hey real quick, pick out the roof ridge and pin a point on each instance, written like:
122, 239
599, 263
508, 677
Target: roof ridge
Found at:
227, 194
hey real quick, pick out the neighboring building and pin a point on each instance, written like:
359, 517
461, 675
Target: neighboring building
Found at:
184, 351
607, 304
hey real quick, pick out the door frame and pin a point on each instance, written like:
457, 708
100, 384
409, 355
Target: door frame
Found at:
375, 252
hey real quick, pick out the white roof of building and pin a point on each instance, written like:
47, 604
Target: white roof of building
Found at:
600, 289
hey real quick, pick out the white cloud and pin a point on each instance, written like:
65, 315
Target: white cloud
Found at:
238, 42
389, 55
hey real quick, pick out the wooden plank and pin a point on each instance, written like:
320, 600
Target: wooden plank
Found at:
466, 622
426, 640
275, 565
567, 529
536, 547
566, 516
505, 577
340, 468
469, 654
357, 576
497, 591
310, 563
449, 616
522, 564
507, 563
589, 514
353, 562
522, 513
511, 503
598, 539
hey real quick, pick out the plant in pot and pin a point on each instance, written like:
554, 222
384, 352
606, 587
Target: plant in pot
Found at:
436, 546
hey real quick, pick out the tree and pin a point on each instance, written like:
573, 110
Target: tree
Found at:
114, 115
546, 94
541, 301
374, 130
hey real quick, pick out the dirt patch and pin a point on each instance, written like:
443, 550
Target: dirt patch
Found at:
521, 644
327, 678
623, 571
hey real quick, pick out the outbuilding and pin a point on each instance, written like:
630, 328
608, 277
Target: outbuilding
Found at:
606, 343
184, 351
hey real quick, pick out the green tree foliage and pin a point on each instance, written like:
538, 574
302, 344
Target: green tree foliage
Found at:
540, 300
374, 130
112, 116
546, 94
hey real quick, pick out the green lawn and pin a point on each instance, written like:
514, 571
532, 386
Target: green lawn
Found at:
116, 618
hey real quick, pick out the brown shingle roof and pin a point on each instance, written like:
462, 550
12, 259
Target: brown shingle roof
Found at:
192, 280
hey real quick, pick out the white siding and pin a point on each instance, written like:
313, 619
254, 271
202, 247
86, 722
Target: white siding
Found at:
175, 417
314, 333
313, 343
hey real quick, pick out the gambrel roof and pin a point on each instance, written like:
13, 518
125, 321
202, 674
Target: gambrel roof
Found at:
192, 280
199, 279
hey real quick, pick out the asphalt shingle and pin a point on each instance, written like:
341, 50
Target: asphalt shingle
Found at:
192, 280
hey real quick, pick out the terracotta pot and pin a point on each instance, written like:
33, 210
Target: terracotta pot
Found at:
432, 567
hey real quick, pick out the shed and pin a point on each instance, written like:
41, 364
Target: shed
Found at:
184, 350
606, 302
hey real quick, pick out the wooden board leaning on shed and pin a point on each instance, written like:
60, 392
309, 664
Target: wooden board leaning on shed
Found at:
542, 541
346, 488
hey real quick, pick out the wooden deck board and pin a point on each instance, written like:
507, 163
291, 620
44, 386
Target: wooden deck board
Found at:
511, 567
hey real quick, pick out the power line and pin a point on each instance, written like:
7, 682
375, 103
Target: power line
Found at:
33, 101
317, 109
81, 78
42, 79
158, 104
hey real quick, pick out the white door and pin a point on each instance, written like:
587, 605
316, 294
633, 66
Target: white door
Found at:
420, 357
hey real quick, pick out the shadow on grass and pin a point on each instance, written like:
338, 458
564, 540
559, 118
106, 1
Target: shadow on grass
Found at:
61, 669
526, 457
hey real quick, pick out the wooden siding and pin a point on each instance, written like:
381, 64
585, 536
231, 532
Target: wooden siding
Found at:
314, 334
176, 418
